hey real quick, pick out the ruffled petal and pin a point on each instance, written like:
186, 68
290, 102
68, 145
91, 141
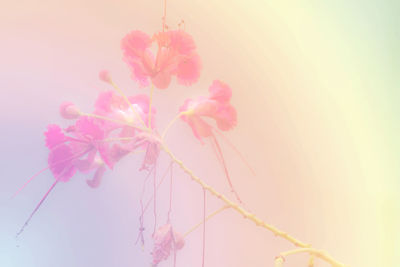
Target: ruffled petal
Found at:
135, 43
220, 91
88, 128
54, 136
61, 163
226, 118
182, 42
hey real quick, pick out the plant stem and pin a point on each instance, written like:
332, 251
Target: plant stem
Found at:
252, 217
207, 218
313, 252
171, 123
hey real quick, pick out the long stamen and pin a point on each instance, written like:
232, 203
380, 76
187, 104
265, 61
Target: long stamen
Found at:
112, 120
77, 155
159, 184
140, 235
226, 169
155, 197
235, 149
214, 147
29, 180
171, 123
36, 208
129, 103
165, 15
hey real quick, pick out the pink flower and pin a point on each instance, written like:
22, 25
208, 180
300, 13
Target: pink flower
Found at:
217, 106
175, 55
165, 241
115, 107
54, 136
77, 152
151, 143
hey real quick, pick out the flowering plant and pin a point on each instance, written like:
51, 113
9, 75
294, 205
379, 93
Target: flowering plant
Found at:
120, 125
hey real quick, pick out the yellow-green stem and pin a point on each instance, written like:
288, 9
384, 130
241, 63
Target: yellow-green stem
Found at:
311, 261
207, 218
304, 247
313, 252
171, 123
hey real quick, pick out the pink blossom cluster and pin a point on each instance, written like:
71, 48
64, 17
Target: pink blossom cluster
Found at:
119, 125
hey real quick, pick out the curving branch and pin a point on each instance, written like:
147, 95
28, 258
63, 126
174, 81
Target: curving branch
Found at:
303, 247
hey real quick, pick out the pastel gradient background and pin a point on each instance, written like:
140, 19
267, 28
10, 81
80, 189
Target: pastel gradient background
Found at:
316, 87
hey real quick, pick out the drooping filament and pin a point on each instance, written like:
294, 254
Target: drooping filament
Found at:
144, 208
77, 155
36, 208
29, 180
155, 197
235, 150
222, 161
141, 229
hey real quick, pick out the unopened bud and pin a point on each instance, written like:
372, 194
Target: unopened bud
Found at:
69, 111
104, 75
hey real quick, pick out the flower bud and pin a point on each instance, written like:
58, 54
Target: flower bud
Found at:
69, 111
104, 75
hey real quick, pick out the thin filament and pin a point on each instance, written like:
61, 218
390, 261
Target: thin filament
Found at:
226, 169
129, 103
141, 229
155, 198
235, 149
165, 15
159, 184
42, 170
36, 208
29, 180
112, 120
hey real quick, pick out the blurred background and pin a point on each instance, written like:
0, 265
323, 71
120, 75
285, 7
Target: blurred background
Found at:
316, 88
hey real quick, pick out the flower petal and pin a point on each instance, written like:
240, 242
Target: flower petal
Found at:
220, 91
54, 136
188, 70
60, 163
